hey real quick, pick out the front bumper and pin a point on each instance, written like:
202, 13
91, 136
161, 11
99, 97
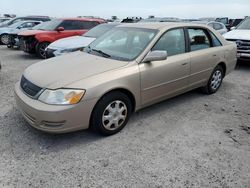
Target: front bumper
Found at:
28, 43
50, 53
243, 56
13, 40
54, 118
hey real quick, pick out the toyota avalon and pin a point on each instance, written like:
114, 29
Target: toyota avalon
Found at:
128, 68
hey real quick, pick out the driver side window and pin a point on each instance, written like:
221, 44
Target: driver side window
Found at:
27, 25
172, 41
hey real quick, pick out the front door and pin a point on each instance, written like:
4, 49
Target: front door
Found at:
162, 79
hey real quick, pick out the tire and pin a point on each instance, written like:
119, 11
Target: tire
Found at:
4, 38
40, 49
105, 119
214, 81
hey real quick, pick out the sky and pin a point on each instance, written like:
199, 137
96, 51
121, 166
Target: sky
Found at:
124, 8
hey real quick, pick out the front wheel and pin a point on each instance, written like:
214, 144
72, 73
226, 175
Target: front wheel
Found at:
215, 81
4, 38
40, 49
111, 113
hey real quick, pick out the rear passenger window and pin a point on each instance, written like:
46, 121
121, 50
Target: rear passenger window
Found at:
172, 41
78, 25
211, 25
69, 25
198, 39
88, 25
215, 40
218, 26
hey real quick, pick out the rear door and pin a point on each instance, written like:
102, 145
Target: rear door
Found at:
160, 79
203, 55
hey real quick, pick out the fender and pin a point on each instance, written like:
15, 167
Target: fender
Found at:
44, 38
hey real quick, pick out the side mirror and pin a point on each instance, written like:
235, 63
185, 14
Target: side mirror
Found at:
233, 28
59, 29
157, 55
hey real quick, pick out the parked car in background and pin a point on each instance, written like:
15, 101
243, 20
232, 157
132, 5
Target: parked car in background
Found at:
75, 43
126, 69
220, 27
14, 39
4, 19
131, 20
229, 23
13, 34
241, 36
165, 19
36, 41
18, 19
233, 23
15, 28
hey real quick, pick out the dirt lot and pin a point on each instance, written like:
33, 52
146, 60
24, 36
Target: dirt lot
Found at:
192, 140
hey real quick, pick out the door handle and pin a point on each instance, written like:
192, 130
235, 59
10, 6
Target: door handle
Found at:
214, 55
184, 64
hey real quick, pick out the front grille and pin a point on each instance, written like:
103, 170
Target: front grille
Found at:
243, 46
12, 39
29, 88
28, 44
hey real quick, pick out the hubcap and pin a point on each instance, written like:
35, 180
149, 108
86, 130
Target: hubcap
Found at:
5, 39
42, 50
216, 80
114, 115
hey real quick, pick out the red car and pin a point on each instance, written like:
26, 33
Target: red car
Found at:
36, 41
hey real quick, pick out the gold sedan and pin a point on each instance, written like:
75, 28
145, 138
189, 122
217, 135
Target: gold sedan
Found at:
130, 67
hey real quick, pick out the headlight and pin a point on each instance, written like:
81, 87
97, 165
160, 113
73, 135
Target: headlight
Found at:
61, 96
70, 50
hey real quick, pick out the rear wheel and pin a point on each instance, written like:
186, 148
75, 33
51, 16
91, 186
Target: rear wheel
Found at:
111, 113
215, 81
4, 38
40, 49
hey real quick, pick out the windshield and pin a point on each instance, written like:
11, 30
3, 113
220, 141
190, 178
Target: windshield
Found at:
99, 30
50, 25
5, 23
122, 43
15, 25
245, 24
37, 27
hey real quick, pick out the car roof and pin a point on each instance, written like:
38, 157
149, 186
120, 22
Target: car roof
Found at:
161, 25
24, 21
82, 19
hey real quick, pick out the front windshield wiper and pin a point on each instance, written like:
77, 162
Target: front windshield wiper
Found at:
101, 52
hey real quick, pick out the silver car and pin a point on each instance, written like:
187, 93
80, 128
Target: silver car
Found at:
218, 26
15, 29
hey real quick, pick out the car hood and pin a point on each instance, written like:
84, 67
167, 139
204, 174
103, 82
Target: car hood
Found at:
5, 30
32, 32
71, 42
62, 71
16, 31
3, 24
238, 34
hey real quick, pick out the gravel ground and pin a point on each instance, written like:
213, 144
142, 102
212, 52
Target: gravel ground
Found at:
193, 140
